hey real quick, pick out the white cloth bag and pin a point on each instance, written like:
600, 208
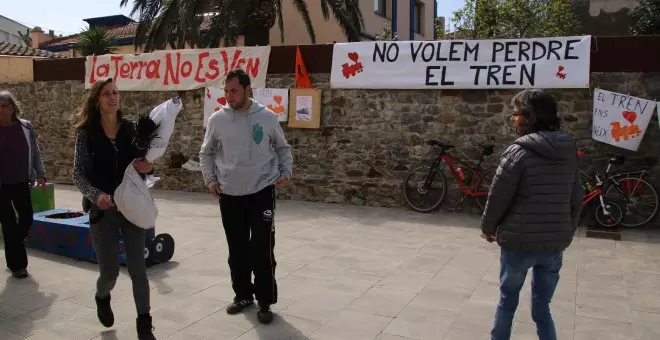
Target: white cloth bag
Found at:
165, 115
132, 196
134, 200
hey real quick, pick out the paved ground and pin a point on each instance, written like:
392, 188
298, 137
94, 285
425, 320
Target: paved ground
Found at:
344, 273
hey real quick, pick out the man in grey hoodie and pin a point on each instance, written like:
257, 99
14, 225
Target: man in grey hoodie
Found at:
243, 157
532, 210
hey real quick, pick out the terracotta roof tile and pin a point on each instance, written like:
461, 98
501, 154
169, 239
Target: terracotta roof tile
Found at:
20, 50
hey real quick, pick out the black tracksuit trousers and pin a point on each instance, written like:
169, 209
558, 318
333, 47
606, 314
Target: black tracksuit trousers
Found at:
249, 223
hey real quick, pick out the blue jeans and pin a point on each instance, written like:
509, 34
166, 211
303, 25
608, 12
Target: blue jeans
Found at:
513, 270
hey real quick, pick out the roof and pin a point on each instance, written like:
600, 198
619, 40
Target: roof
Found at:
122, 31
111, 20
24, 51
12, 20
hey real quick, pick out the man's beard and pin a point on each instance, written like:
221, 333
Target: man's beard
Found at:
242, 104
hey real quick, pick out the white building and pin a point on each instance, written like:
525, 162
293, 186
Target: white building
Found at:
9, 31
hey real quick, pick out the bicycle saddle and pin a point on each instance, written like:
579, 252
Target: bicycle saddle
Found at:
617, 159
436, 143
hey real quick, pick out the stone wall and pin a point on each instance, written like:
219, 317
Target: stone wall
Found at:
368, 139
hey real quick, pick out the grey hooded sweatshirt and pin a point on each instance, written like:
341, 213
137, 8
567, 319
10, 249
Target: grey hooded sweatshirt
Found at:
536, 194
244, 152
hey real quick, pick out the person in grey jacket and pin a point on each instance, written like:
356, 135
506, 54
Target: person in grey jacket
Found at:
243, 157
21, 167
533, 209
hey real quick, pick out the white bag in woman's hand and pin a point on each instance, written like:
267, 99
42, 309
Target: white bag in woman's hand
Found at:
164, 115
134, 200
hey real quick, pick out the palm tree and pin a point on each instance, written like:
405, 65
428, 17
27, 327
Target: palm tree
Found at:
178, 22
26, 38
95, 41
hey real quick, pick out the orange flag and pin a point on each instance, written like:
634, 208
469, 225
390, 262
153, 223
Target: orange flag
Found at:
302, 77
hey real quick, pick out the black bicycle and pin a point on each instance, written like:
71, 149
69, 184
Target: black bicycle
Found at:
629, 190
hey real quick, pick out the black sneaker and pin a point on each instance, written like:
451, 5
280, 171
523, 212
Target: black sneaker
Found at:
238, 305
264, 314
145, 327
20, 274
104, 311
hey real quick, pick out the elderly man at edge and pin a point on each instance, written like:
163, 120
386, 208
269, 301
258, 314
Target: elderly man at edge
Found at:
533, 209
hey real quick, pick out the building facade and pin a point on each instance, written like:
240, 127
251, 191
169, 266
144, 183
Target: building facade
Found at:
408, 19
9, 31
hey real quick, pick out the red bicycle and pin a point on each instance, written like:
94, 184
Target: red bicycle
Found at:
608, 214
425, 187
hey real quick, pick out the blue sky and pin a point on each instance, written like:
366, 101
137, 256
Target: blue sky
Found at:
65, 16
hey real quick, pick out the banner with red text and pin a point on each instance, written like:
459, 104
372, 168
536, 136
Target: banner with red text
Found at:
559, 62
177, 70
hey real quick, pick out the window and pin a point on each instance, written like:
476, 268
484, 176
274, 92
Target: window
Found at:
418, 16
4, 36
380, 7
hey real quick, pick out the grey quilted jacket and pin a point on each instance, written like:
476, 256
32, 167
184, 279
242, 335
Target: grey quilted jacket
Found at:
535, 198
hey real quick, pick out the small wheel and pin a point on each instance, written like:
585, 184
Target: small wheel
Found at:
418, 196
614, 218
163, 248
483, 185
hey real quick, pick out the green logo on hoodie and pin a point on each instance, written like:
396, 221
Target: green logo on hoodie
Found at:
257, 133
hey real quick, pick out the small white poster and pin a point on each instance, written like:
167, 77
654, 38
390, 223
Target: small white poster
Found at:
214, 100
304, 108
620, 119
277, 100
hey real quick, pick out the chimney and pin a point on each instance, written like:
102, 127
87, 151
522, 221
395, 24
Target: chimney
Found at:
38, 36
35, 35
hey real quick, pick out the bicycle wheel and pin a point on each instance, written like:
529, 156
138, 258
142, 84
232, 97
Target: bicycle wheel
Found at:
611, 220
637, 198
483, 185
418, 196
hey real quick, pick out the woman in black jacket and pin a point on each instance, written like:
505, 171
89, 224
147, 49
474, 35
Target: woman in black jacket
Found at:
104, 149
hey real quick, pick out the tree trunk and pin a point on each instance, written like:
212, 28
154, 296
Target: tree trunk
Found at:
257, 36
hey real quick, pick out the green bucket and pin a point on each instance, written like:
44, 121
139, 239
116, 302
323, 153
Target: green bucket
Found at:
43, 200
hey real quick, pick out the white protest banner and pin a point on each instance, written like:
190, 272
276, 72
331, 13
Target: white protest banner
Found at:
657, 112
277, 100
214, 100
177, 70
619, 119
561, 62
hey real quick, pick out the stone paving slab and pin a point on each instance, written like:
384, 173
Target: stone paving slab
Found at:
344, 272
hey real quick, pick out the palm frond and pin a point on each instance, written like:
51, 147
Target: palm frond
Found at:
280, 19
301, 6
191, 13
95, 41
348, 16
324, 10
235, 14
162, 27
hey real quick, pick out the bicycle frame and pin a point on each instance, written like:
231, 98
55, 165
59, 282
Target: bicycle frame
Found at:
613, 180
475, 173
592, 195
598, 190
